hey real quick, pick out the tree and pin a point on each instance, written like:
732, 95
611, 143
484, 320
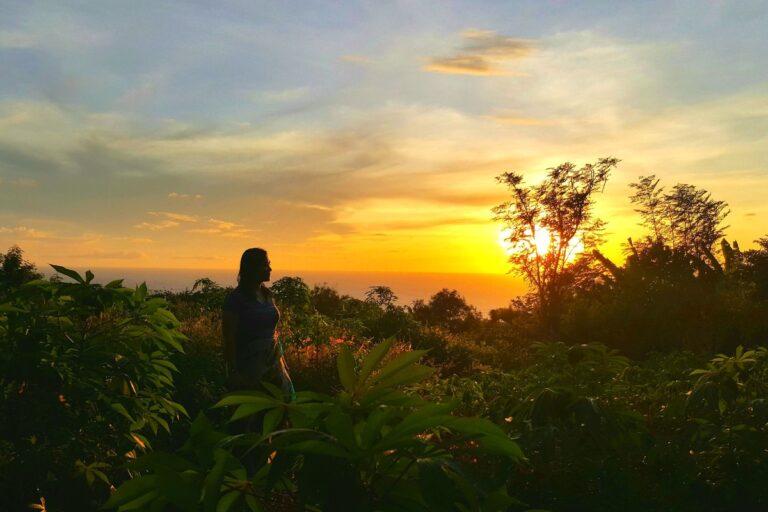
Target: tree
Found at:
687, 218
447, 309
292, 292
15, 270
549, 224
382, 296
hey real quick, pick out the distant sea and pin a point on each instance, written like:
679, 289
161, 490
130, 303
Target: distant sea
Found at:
484, 291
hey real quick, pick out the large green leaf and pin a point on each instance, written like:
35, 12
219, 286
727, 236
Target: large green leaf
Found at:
346, 366
272, 419
245, 410
400, 363
228, 501
245, 397
131, 490
214, 478
69, 273
415, 373
373, 359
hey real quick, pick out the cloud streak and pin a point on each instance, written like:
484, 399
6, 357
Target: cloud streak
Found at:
483, 53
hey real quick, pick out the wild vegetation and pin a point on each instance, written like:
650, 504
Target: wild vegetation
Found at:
635, 386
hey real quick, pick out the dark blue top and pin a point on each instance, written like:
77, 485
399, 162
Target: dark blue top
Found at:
256, 321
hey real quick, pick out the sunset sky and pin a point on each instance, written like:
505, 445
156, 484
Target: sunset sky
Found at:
360, 135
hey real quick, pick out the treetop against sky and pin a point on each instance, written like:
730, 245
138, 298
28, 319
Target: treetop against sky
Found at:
360, 135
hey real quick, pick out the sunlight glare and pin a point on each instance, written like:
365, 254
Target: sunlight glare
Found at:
543, 241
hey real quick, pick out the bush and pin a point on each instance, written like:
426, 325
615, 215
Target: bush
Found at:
370, 447
85, 378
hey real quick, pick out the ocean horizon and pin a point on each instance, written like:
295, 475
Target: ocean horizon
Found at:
483, 291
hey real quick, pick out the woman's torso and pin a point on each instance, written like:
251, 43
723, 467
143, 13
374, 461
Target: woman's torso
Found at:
256, 320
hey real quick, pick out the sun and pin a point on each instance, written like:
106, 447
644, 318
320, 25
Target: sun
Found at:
543, 242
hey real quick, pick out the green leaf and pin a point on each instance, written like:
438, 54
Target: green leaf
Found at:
410, 375
245, 410
475, 426
373, 359
272, 420
346, 366
120, 408
131, 490
252, 503
214, 479
7, 308
400, 363
501, 446
88, 276
140, 502
140, 293
117, 283
340, 426
273, 390
69, 273
166, 335
227, 501
100, 475
245, 397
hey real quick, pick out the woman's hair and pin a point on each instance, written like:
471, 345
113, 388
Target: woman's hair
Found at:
251, 263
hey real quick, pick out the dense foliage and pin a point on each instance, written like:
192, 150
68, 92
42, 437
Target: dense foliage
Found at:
87, 380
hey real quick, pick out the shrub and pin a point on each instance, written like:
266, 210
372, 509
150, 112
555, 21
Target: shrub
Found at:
370, 447
85, 377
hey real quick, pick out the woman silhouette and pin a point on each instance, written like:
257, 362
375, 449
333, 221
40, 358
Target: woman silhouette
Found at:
251, 350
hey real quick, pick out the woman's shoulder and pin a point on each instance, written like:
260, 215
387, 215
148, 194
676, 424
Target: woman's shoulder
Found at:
234, 300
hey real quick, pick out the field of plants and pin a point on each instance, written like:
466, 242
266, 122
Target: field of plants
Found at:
116, 399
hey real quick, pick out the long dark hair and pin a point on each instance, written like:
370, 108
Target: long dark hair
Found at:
250, 270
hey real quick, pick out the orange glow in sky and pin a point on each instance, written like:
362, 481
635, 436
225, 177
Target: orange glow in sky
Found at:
366, 137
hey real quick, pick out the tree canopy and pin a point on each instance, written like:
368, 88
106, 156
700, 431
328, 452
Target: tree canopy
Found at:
549, 224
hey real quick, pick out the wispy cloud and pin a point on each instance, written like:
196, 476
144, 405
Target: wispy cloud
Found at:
109, 255
179, 217
483, 53
224, 229
157, 226
167, 220
178, 195
25, 233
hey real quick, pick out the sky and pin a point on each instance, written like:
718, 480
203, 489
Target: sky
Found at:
360, 135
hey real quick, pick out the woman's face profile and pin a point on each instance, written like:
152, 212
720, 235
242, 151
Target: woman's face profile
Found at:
264, 270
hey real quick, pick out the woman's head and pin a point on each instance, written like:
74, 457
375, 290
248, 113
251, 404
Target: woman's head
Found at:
254, 268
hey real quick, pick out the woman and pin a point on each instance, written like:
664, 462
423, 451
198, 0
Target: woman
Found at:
251, 350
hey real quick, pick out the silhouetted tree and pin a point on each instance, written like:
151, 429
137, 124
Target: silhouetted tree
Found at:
327, 301
560, 207
687, 218
15, 270
447, 309
382, 296
291, 292
756, 268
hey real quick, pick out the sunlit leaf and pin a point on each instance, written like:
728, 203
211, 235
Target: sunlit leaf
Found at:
346, 366
373, 359
69, 273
